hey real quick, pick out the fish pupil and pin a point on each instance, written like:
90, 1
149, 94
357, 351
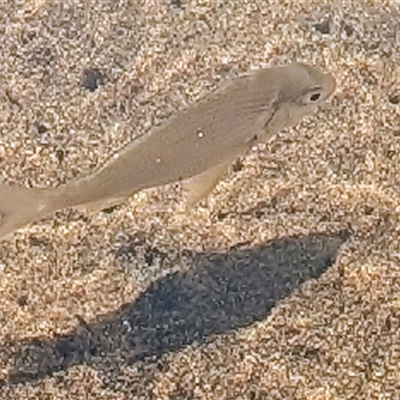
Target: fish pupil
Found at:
315, 96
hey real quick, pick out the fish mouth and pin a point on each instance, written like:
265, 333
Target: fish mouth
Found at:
330, 85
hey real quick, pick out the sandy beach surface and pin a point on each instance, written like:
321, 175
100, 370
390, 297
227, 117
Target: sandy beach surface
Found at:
283, 284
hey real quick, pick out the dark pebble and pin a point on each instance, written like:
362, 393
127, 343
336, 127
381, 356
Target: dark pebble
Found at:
323, 27
92, 78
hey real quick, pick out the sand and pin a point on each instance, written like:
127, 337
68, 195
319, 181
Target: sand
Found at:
283, 284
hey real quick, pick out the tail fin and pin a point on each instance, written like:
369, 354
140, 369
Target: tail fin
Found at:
19, 206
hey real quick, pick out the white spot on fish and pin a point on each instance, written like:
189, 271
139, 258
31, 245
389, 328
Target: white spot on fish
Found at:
200, 134
158, 160
41, 207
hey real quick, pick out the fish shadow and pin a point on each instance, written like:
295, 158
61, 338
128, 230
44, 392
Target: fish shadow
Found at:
221, 291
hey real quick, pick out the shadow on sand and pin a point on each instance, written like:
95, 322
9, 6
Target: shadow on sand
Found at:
220, 292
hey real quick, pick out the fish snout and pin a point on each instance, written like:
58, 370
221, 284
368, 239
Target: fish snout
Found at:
330, 85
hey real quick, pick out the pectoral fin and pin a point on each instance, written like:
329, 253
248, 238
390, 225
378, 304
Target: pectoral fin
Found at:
199, 186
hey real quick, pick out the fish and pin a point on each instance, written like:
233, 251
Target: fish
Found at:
195, 146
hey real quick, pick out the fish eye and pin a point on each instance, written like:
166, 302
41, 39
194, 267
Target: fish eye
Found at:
312, 96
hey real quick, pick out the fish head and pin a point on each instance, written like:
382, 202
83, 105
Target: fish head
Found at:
301, 89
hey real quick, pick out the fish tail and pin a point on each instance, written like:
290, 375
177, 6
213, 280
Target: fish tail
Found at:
20, 206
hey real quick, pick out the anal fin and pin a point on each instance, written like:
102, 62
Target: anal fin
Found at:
198, 187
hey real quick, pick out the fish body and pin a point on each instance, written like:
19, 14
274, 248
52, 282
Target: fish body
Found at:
195, 146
